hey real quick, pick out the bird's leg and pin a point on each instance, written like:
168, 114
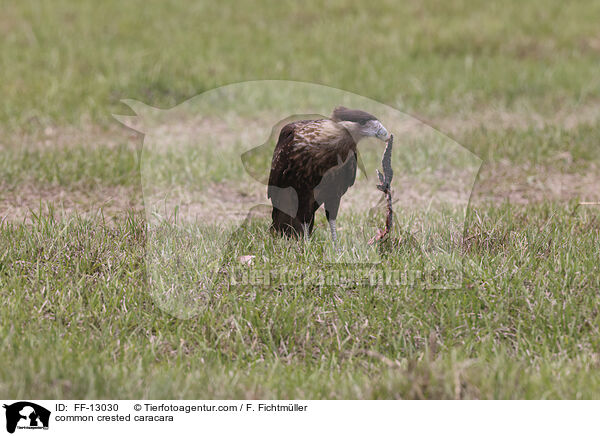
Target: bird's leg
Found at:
333, 234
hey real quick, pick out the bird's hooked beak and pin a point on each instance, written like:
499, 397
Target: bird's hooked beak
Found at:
382, 133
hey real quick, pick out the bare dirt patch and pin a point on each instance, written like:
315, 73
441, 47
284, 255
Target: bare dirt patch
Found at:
523, 184
500, 119
91, 135
497, 183
216, 203
22, 202
87, 135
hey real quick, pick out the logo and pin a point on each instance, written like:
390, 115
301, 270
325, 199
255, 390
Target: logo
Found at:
26, 415
231, 172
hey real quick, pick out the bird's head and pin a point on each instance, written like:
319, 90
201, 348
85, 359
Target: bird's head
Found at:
360, 124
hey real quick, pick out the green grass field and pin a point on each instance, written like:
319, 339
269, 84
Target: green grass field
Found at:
81, 304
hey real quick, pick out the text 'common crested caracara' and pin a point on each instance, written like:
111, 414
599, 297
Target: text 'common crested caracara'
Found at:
314, 163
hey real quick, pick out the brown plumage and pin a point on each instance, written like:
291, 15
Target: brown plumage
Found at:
315, 163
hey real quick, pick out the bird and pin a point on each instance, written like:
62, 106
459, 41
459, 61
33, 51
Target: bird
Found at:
314, 163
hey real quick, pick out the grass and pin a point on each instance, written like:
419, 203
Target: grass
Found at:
79, 321
69, 166
67, 64
195, 162
81, 297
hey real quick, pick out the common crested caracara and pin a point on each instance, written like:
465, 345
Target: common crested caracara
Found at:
314, 163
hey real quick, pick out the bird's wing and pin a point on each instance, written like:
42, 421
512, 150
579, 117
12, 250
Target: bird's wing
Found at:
257, 161
334, 166
280, 164
337, 179
309, 150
